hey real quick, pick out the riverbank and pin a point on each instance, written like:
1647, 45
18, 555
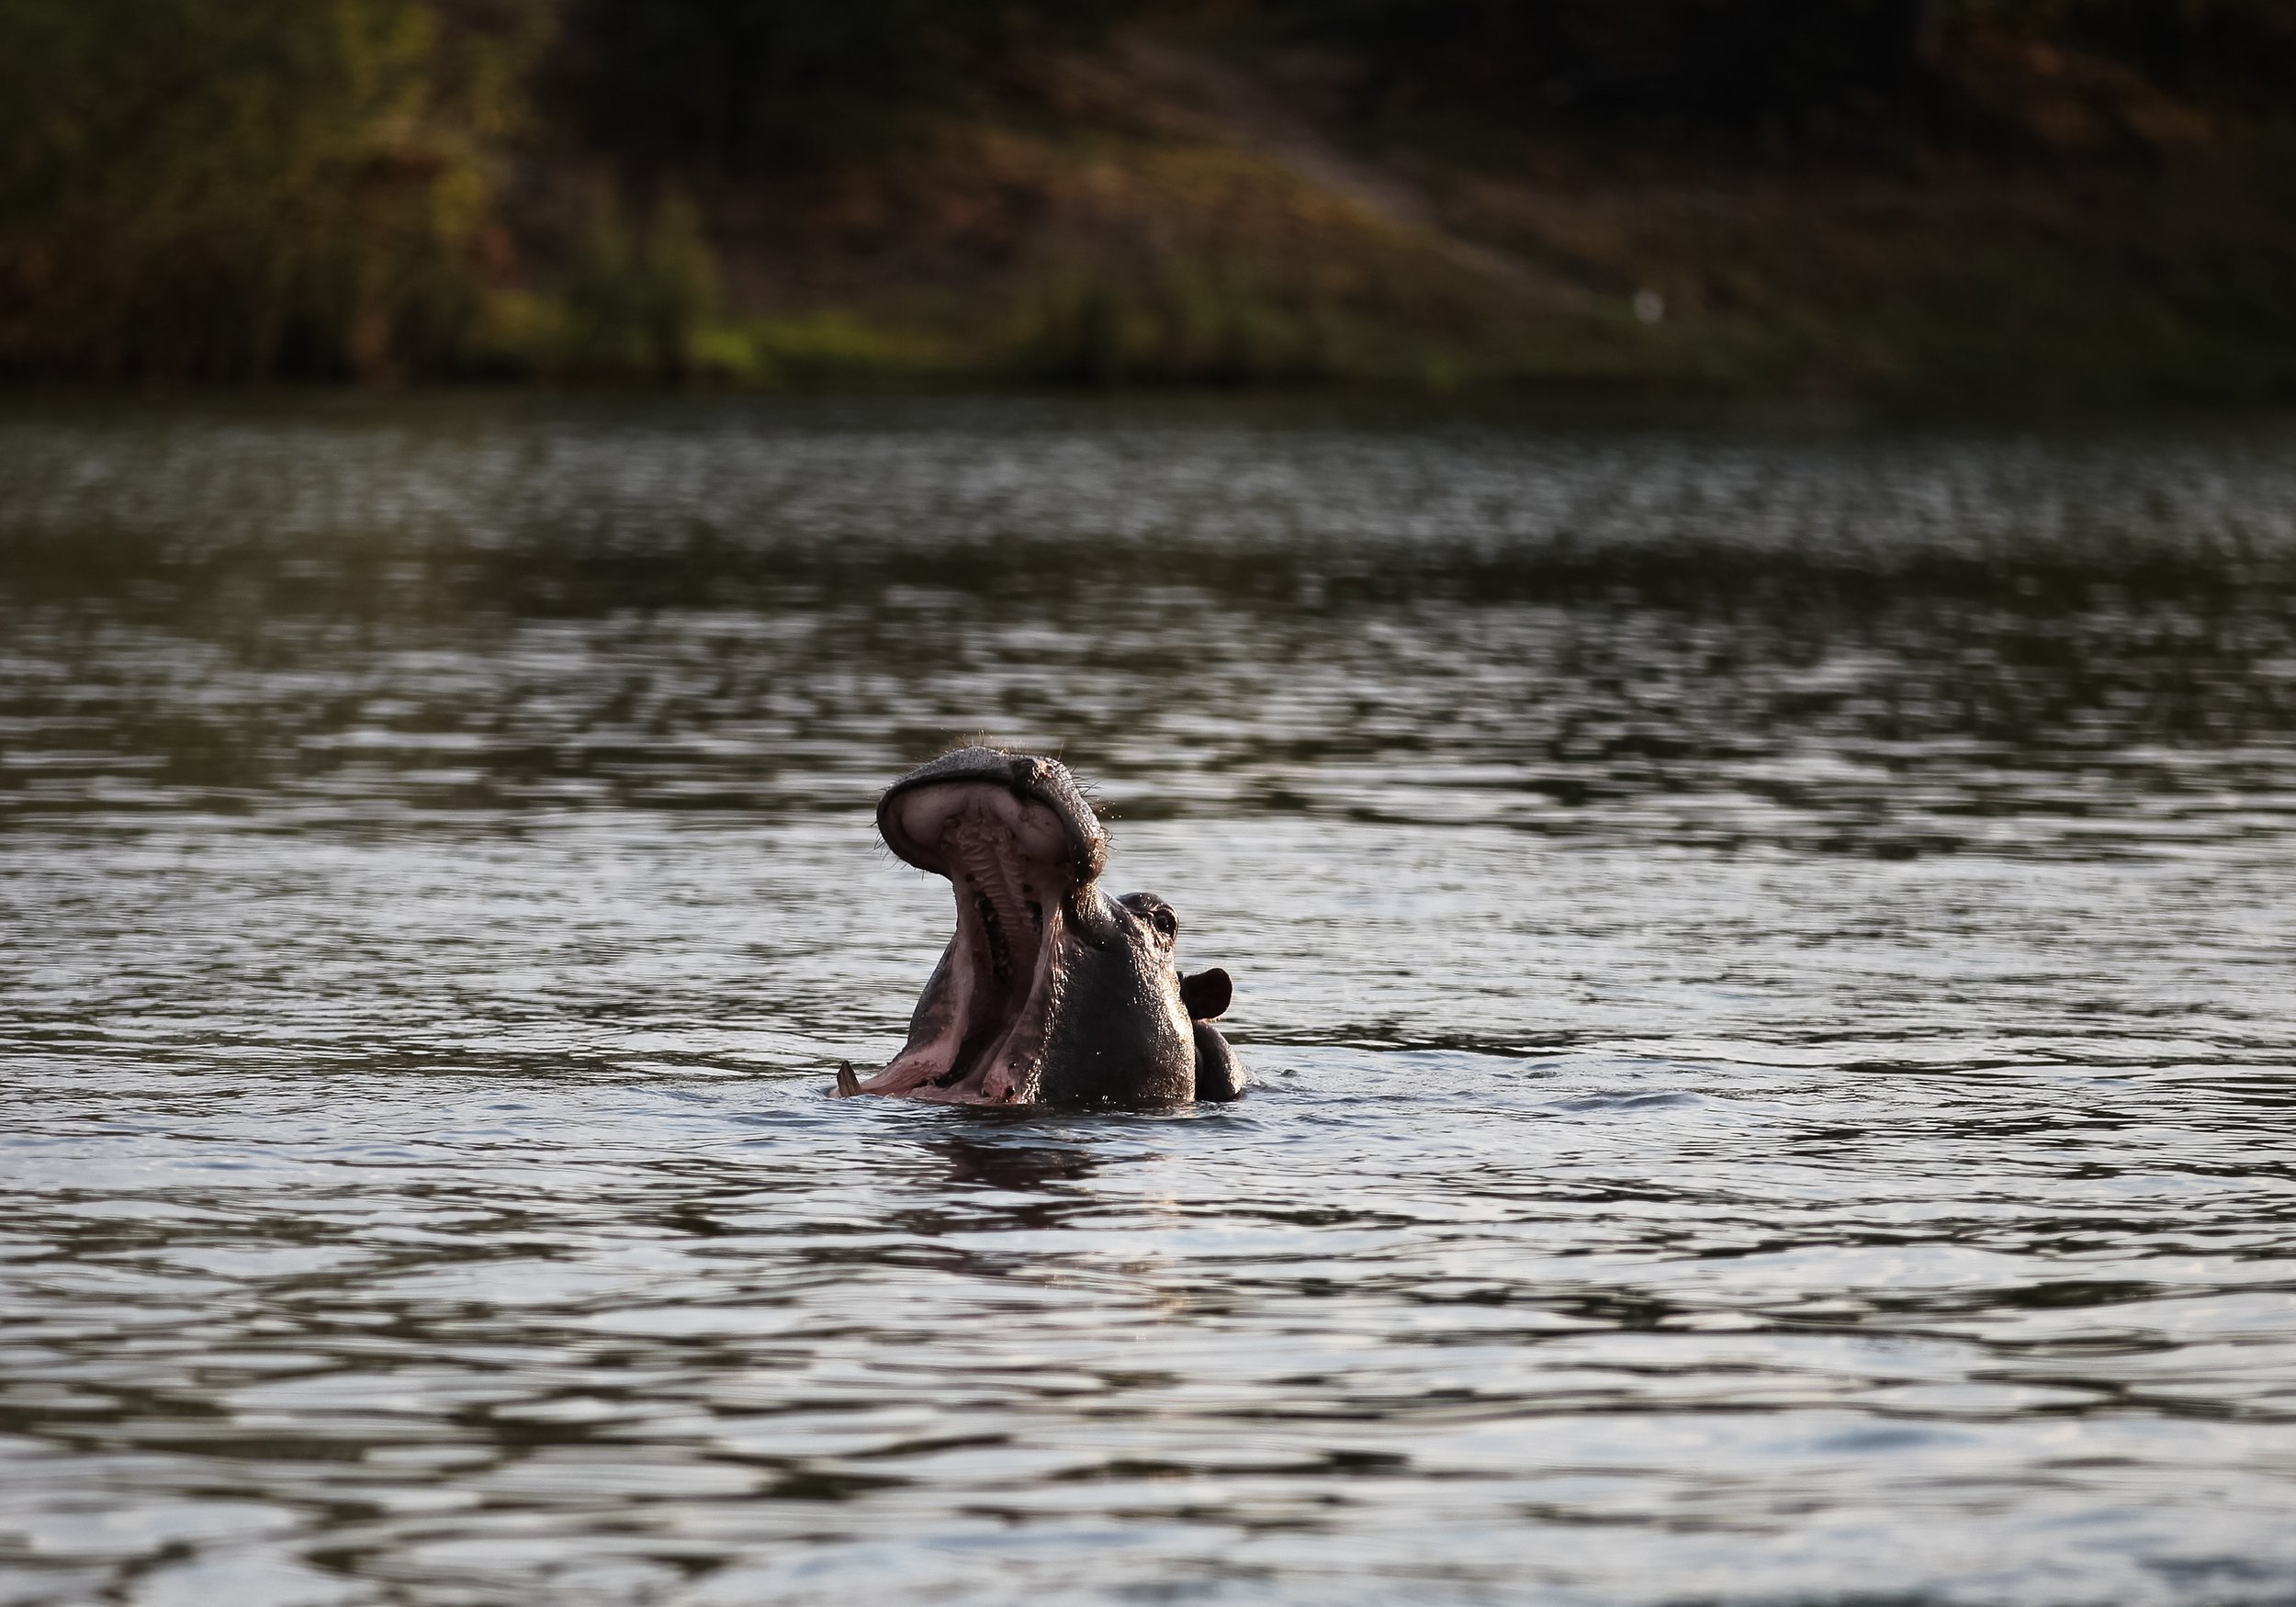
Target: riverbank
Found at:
1188, 206
1186, 221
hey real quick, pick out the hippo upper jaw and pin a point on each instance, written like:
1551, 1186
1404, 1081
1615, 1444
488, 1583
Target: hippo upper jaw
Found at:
1034, 802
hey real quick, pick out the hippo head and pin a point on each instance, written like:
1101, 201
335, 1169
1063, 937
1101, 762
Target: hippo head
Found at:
1051, 991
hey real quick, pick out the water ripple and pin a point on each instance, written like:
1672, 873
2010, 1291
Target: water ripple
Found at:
1764, 950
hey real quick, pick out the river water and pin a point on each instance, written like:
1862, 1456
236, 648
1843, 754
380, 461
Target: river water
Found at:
1765, 943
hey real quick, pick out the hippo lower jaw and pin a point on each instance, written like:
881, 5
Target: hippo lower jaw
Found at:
987, 1017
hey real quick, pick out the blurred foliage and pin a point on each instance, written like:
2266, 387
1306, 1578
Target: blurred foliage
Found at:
1691, 62
638, 300
733, 82
1804, 70
224, 188
1206, 322
596, 189
1354, 307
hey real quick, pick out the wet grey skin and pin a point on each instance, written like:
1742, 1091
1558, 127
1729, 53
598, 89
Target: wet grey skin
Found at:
1051, 991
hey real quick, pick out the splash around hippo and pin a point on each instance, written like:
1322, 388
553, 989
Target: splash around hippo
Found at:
1051, 991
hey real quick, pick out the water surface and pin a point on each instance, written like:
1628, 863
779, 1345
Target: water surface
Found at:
1766, 946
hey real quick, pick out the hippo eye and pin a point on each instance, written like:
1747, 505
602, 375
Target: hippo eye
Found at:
1164, 921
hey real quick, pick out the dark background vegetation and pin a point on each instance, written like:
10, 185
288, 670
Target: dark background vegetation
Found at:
2092, 199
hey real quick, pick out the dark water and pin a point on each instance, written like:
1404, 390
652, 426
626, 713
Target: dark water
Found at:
1767, 947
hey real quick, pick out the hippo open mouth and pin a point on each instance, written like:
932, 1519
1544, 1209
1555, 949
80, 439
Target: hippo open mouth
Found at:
1016, 840
1051, 991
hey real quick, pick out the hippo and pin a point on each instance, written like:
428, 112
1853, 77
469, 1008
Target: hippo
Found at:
1052, 992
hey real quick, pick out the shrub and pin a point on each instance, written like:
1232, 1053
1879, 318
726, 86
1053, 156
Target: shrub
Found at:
230, 188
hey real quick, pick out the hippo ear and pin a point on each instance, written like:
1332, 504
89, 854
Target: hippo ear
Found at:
1206, 994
